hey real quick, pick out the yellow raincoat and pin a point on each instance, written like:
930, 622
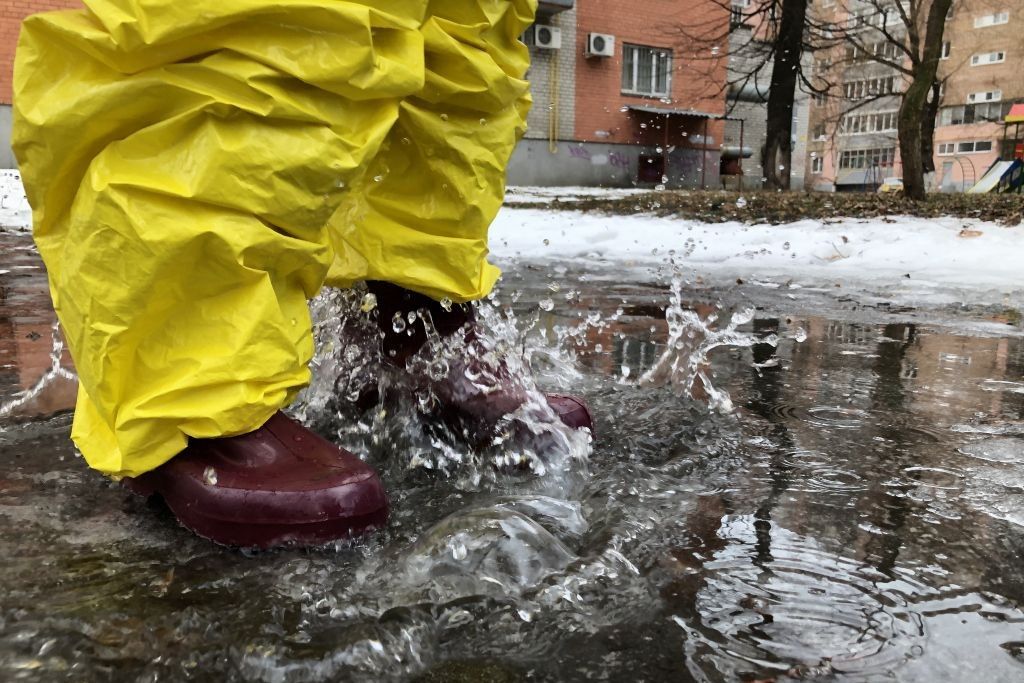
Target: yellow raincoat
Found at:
198, 170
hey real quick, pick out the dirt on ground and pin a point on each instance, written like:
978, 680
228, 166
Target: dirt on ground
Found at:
786, 207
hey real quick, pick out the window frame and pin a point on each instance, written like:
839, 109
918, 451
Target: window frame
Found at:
1000, 18
635, 50
977, 57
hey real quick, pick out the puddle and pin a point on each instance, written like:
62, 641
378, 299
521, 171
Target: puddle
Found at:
848, 508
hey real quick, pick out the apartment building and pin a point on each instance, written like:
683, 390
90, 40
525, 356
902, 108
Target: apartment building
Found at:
648, 105
982, 79
853, 130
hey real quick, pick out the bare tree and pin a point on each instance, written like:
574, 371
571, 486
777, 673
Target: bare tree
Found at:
905, 37
771, 68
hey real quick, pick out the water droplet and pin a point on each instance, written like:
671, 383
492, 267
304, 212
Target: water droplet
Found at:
741, 203
352, 354
438, 371
378, 178
553, 286
546, 304
801, 335
659, 187
483, 122
598, 348
398, 323
446, 304
785, 245
294, 322
411, 317
623, 109
210, 476
369, 303
547, 242
444, 117
406, 141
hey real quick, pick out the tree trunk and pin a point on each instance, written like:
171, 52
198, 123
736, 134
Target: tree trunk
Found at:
915, 106
910, 128
776, 161
928, 130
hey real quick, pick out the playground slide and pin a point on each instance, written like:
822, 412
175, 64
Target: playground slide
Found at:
997, 172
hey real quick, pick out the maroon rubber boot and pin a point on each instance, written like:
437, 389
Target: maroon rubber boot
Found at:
461, 400
279, 485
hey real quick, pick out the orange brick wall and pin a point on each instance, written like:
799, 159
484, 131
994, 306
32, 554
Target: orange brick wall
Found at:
698, 72
11, 14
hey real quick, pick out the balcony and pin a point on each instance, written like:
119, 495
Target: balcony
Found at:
549, 7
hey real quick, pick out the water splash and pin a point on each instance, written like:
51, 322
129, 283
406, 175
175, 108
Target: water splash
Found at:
375, 408
691, 339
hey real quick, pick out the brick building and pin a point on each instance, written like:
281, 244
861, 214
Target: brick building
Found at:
12, 12
982, 80
648, 106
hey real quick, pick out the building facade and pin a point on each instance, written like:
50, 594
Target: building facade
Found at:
982, 79
853, 144
648, 106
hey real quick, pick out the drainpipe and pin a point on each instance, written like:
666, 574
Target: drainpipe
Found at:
664, 153
553, 115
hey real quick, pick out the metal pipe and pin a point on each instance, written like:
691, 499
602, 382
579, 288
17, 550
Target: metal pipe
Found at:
704, 157
664, 153
740, 181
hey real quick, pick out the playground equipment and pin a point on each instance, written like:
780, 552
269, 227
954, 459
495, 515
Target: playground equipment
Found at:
1006, 175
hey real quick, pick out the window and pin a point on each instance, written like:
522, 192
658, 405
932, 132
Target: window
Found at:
966, 147
965, 114
867, 158
988, 58
947, 47
819, 132
986, 96
817, 165
868, 122
994, 19
646, 70
871, 87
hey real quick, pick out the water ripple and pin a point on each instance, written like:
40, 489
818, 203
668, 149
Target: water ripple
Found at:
774, 602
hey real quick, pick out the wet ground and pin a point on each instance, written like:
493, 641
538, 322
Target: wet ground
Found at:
857, 516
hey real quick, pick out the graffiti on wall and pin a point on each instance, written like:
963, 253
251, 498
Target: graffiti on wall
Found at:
613, 159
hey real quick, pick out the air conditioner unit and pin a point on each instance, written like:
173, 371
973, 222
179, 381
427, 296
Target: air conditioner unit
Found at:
600, 45
544, 37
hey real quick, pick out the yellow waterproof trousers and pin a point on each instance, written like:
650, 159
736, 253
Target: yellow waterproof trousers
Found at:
198, 170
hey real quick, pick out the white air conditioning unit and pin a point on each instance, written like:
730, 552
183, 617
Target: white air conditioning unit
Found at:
600, 45
544, 37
